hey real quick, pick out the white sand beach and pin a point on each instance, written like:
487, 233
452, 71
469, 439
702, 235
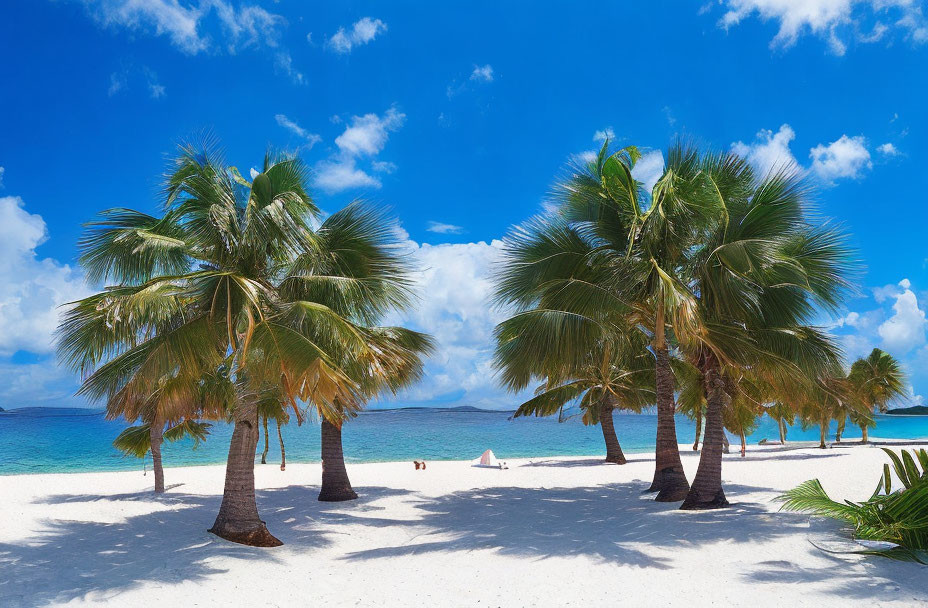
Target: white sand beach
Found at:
545, 532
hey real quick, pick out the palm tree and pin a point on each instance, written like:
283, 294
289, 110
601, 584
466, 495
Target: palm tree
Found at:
359, 269
198, 291
395, 362
139, 440
615, 375
875, 381
613, 250
270, 405
784, 416
758, 274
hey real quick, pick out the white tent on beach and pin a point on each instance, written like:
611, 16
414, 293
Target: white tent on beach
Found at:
489, 459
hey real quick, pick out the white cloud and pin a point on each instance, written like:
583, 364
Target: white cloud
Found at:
455, 285
31, 289
364, 137
844, 157
482, 73
183, 23
311, 138
649, 168
441, 228
363, 31
157, 91
832, 20
906, 328
888, 149
338, 175
604, 134
769, 151
368, 134
117, 83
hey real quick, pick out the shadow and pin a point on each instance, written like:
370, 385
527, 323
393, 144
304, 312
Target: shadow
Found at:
852, 576
758, 456
603, 522
70, 559
585, 462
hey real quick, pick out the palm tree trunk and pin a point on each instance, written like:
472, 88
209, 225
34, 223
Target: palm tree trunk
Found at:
823, 430
864, 434
238, 519
156, 435
669, 479
613, 449
726, 447
744, 444
782, 425
266, 442
706, 492
283, 451
840, 430
698, 429
336, 486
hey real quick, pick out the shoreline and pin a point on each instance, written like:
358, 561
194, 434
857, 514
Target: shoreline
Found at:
685, 448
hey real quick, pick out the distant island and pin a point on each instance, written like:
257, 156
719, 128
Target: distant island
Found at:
915, 410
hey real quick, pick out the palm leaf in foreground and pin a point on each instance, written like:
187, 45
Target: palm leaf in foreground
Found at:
897, 517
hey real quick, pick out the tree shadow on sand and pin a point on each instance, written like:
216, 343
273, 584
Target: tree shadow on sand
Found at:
72, 558
606, 522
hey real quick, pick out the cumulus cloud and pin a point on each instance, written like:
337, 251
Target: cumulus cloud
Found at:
769, 151
311, 138
441, 228
455, 285
182, 23
906, 328
363, 31
888, 149
832, 20
482, 73
31, 288
844, 157
363, 138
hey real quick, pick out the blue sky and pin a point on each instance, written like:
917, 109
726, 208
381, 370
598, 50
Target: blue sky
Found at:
457, 115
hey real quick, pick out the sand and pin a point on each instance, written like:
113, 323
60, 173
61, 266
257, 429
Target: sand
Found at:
545, 532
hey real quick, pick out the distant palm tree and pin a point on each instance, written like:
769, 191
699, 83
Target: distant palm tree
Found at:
874, 383
783, 415
139, 440
395, 362
367, 274
615, 375
200, 290
270, 405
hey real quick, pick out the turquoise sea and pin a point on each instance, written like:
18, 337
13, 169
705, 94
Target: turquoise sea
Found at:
42, 440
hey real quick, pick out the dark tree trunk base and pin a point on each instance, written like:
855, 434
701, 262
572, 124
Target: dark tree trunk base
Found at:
337, 494
616, 459
670, 485
253, 537
694, 502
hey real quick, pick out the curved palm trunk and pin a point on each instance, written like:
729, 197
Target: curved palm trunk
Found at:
782, 425
156, 435
335, 484
706, 492
726, 447
266, 442
669, 479
238, 518
840, 430
864, 434
698, 429
283, 450
613, 449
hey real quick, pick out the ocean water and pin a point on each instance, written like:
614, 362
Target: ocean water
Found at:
56, 440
